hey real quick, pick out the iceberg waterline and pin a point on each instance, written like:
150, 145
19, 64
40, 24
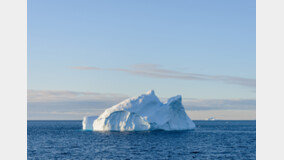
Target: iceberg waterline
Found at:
145, 112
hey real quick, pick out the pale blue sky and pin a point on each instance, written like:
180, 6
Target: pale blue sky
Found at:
207, 37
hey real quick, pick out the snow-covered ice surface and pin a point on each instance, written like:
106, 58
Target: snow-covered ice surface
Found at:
145, 112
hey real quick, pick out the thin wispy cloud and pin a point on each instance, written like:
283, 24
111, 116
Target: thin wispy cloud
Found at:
72, 96
155, 71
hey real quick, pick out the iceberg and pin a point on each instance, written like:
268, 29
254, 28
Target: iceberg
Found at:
211, 119
142, 113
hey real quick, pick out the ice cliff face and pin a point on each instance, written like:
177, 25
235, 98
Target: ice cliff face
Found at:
88, 122
145, 112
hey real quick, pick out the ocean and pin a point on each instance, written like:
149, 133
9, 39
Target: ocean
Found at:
214, 140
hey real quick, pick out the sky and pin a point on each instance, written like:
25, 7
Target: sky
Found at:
84, 56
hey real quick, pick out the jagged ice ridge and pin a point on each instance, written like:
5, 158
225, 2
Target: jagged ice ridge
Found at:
145, 112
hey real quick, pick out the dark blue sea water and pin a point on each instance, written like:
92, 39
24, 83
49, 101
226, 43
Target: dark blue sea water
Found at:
210, 140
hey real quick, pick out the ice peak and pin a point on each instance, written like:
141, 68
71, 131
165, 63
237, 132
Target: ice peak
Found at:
151, 92
176, 98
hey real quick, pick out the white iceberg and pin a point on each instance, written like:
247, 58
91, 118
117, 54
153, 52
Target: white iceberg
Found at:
142, 113
211, 119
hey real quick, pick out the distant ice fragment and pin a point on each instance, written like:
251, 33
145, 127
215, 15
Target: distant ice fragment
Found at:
211, 119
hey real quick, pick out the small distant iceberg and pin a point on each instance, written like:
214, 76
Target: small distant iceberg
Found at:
211, 119
142, 113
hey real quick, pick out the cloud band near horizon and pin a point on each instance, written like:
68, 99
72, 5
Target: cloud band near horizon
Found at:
155, 71
51, 104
